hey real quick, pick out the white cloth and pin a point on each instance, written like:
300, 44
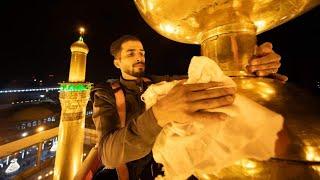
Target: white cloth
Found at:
204, 145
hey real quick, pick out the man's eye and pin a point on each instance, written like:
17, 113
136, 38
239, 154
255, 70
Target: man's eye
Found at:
130, 54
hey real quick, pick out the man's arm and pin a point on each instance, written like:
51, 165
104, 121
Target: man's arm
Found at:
120, 145
182, 104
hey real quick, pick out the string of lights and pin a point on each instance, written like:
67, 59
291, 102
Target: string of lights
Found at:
29, 90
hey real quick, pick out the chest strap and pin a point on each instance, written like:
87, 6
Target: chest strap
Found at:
122, 170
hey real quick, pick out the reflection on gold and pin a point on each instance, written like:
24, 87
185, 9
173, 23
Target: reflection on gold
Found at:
225, 29
150, 5
316, 168
208, 14
312, 153
203, 176
246, 163
169, 28
249, 167
264, 90
260, 24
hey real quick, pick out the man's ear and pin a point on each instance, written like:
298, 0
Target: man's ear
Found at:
116, 63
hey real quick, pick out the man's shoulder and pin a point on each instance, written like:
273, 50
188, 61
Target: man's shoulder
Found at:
103, 88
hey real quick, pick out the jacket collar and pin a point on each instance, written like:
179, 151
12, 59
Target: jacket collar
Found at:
137, 85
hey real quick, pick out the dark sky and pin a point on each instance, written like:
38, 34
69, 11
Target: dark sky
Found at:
36, 37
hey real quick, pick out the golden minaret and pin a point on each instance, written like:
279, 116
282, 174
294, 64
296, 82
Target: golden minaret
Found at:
74, 97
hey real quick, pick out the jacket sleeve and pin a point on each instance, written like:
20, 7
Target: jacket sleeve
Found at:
121, 145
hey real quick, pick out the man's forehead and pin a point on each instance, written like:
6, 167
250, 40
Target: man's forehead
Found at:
132, 45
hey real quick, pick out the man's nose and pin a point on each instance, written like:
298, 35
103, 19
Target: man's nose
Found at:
140, 58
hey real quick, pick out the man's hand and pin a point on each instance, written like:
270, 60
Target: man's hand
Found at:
266, 63
186, 102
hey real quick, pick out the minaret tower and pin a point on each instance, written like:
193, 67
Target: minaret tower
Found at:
74, 96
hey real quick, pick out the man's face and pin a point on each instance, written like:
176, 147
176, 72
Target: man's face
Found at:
131, 60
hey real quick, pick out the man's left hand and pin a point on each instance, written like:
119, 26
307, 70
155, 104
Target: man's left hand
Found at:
266, 63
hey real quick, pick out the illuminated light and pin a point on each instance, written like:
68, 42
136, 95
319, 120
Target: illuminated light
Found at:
46, 175
248, 86
84, 154
27, 90
54, 146
248, 164
205, 176
51, 172
24, 134
312, 153
150, 5
264, 96
13, 167
22, 155
82, 30
283, 18
39, 129
269, 91
7, 160
40, 177
169, 28
74, 87
316, 168
260, 24
249, 167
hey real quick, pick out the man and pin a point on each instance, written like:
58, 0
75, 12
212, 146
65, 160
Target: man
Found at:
132, 143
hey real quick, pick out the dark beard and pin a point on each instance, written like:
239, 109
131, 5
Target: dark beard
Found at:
138, 74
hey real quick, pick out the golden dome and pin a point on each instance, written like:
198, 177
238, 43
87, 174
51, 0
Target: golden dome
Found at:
79, 46
193, 20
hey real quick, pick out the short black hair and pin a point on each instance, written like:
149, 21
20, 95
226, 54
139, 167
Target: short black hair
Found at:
115, 47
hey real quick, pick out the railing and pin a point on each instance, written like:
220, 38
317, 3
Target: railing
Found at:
38, 141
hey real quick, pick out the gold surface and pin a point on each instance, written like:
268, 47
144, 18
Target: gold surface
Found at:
231, 47
191, 21
71, 133
300, 110
298, 145
268, 170
77, 71
79, 46
226, 30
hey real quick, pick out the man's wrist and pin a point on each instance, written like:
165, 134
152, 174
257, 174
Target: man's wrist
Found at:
157, 116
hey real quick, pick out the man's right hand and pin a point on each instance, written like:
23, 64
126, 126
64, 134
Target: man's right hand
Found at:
186, 102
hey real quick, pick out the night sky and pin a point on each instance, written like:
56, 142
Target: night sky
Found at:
36, 37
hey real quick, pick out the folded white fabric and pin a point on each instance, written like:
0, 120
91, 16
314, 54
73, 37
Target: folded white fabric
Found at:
206, 146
